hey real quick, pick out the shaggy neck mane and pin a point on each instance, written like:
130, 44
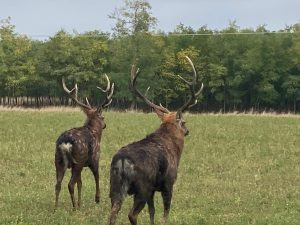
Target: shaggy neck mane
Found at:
172, 137
94, 126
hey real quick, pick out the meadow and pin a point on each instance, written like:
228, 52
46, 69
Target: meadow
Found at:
235, 169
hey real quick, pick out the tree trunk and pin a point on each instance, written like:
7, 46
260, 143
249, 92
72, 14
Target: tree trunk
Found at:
295, 105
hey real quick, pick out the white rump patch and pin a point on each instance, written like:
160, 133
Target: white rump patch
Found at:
66, 148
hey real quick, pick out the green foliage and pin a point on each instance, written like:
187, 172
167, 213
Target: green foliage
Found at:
240, 71
133, 23
79, 58
17, 65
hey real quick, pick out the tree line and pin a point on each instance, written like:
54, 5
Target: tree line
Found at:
242, 69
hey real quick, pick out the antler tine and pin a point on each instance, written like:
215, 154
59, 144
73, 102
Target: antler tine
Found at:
134, 73
193, 82
108, 85
65, 87
164, 108
193, 67
188, 82
75, 97
200, 90
87, 102
146, 92
107, 104
109, 93
193, 98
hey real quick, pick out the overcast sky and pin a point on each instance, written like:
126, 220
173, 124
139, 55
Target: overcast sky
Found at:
46, 17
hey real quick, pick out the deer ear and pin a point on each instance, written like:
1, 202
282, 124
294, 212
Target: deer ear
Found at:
179, 115
159, 113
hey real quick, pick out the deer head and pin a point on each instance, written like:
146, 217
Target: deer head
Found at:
94, 114
163, 113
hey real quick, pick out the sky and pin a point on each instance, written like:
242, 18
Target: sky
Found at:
43, 18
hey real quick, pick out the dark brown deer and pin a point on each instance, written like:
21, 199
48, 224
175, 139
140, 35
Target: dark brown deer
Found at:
80, 147
149, 165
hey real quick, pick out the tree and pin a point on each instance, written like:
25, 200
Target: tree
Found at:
17, 63
291, 81
133, 23
133, 18
81, 58
292, 89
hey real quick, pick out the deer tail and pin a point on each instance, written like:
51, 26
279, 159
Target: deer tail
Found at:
66, 150
121, 176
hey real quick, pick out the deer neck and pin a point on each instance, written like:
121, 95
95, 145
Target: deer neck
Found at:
94, 127
173, 139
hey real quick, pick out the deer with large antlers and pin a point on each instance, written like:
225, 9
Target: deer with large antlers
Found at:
150, 165
80, 147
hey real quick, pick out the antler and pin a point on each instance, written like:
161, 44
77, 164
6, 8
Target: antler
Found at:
74, 95
193, 98
109, 93
134, 73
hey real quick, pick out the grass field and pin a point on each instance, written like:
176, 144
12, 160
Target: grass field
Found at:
235, 169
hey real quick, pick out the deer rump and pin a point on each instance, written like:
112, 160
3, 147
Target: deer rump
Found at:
74, 146
139, 168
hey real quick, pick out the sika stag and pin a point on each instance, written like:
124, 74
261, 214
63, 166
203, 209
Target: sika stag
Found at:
149, 165
79, 147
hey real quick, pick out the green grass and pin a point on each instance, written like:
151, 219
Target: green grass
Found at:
235, 169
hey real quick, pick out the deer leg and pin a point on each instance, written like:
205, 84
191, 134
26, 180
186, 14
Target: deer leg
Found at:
138, 205
151, 208
60, 172
166, 196
95, 170
79, 185
74, 178
115, 208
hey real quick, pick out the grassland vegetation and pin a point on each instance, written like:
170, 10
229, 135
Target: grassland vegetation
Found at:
235, 169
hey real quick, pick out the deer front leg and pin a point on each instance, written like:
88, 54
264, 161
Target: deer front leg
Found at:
166, 196
151, 208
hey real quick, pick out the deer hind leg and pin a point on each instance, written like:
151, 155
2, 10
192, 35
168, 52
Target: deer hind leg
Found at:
166, 196
115, 208
79, 185
95, 170
74, 179
60, 172
151, 208
138, 205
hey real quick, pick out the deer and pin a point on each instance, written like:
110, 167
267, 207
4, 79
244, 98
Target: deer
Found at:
151, 164
80, 147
